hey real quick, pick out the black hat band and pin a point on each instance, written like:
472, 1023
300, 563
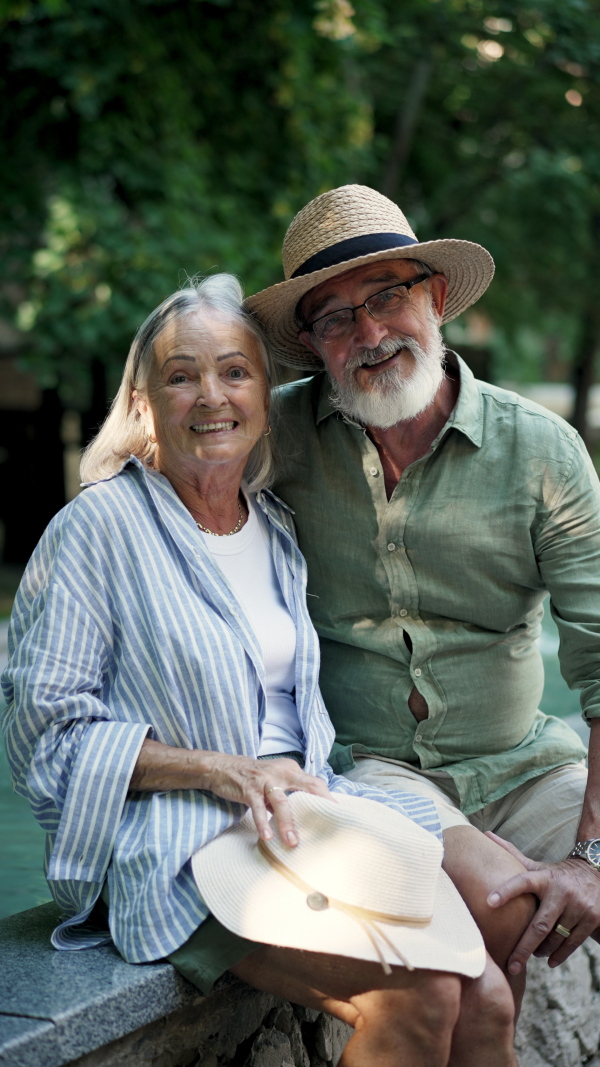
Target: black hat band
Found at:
352, 248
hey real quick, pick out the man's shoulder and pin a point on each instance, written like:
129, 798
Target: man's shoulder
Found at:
523, 414
299, 399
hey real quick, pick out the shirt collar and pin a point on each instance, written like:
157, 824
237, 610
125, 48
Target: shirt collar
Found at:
468, 411
264, 497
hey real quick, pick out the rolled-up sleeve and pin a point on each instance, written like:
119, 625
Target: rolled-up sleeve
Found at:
68, 754
568, 553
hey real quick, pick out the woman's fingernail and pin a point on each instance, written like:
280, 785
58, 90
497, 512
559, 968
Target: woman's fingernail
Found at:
291, 838
494, 898
514, 968
267, 834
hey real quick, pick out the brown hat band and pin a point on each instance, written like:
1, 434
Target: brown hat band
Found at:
351, 248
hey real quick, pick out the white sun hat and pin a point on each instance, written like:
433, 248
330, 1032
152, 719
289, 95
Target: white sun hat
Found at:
364, 882
347, 228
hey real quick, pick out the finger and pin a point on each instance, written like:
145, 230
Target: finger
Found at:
282, 813
260, 816
316, 786
576, 938
298, 780
299, 777
508, 846
540, 929
528, 882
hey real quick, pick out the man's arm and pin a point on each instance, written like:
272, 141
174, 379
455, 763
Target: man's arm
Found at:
568, 891
567, 546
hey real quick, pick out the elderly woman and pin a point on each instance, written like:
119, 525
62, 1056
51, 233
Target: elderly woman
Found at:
164, 680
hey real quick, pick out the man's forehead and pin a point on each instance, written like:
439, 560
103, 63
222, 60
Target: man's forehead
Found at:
336, 289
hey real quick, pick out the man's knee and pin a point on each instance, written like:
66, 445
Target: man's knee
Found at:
477, 866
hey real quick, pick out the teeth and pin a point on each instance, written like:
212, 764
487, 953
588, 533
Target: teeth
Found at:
382, 360
207, 427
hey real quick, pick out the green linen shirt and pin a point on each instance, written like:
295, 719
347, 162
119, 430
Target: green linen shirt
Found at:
503, 509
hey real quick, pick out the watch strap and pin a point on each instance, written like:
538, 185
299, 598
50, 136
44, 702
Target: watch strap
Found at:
581, 851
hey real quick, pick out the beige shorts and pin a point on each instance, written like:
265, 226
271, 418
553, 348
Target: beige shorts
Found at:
539, 817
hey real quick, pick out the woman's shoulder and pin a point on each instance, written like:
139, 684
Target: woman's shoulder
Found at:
99, 500
96, 509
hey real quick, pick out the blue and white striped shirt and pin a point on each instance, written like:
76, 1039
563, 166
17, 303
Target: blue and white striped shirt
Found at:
124, 628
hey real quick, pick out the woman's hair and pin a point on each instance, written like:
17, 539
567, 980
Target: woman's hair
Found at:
123, 431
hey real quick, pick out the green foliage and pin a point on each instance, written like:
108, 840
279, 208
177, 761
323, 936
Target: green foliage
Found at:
150, 139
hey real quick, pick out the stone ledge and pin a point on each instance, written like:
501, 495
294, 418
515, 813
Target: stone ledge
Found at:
90, 1009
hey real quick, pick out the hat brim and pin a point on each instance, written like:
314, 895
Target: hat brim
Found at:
468, 267
249, 897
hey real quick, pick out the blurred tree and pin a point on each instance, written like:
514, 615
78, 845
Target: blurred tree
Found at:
486, 117
153, 138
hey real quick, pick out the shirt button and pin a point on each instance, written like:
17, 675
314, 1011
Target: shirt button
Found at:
403, 612
391, 547
374, 471
418, 672
419, 737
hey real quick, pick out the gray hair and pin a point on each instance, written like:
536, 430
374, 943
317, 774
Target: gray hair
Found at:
123, 432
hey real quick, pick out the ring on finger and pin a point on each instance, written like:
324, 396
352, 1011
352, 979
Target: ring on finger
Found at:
562, 930
275, 789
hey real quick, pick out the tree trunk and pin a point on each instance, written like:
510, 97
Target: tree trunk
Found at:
92, 419
584, 364
32, 482
406, 123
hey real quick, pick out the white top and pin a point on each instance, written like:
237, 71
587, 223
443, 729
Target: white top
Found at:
246, 561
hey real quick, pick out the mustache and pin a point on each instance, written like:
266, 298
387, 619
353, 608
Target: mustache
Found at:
388, 347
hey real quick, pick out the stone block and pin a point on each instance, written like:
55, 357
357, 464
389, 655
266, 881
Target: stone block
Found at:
560, 1020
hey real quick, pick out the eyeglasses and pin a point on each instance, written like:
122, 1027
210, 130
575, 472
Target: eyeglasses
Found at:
381, 306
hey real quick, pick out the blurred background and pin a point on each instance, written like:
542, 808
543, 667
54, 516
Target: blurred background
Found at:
147, 140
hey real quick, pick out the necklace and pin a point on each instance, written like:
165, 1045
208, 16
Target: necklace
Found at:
235, 530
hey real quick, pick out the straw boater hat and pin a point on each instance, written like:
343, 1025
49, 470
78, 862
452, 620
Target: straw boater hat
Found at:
346, 228
364, 882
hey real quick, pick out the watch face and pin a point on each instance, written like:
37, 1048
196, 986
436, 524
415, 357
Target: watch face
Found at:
592, 852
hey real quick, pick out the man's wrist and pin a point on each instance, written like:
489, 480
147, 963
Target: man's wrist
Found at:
587, 850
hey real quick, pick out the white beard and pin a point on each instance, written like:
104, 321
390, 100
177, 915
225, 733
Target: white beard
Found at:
393, 396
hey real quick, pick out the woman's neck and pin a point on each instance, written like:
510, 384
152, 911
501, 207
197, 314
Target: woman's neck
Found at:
211, 496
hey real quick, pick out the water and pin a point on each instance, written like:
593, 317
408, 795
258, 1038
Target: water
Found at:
22, 883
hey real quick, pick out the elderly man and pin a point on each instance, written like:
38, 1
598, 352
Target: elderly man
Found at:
436, 512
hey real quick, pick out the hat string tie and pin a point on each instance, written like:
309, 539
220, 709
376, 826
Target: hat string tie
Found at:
367, 918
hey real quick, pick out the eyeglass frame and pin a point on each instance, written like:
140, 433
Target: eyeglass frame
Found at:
310, 326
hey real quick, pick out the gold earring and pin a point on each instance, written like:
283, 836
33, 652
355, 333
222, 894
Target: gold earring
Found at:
152, 438
267, 432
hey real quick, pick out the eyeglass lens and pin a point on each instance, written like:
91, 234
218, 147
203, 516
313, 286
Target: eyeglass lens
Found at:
380, 306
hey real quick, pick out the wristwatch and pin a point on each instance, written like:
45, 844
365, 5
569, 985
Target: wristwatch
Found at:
588, 851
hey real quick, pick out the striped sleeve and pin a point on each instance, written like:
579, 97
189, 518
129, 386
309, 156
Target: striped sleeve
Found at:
68, 755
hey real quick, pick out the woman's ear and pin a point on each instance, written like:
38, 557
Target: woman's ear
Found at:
141, 405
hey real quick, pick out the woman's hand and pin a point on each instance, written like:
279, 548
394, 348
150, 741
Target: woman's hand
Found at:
260, 784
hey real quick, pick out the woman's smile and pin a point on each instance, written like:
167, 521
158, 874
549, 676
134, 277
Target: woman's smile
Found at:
207, 396
214, 427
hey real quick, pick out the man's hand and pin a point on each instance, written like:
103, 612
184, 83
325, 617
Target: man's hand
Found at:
569, 894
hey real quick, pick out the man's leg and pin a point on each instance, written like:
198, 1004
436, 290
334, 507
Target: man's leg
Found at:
412, 1018
540, 817
475, 864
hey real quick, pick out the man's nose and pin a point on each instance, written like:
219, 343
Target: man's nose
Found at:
368, 332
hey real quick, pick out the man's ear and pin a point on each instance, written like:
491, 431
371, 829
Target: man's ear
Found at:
307, 339
438, 287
